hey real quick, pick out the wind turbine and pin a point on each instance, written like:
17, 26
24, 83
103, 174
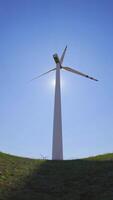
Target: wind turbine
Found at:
57, 146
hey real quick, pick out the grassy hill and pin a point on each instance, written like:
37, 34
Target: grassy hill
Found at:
29, 179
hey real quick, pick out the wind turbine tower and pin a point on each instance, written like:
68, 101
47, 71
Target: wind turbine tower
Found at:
57, 145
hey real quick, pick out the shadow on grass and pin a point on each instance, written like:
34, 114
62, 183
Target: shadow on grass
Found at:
67, 180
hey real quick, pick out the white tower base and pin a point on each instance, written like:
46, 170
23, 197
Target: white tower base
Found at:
57, 148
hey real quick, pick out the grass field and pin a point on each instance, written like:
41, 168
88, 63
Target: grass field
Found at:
29, 179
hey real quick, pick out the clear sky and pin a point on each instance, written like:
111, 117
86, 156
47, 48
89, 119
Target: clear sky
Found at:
31, 31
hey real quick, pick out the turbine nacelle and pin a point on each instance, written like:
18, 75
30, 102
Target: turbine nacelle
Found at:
56, 58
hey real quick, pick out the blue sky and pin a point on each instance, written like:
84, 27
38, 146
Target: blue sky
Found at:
31, 31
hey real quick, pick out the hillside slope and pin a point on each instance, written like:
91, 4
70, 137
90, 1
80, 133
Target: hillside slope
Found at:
29, 179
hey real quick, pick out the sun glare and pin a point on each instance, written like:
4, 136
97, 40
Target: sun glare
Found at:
52, 83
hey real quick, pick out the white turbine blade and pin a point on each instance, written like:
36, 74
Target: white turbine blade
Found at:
79, 73
43, 74
63, 54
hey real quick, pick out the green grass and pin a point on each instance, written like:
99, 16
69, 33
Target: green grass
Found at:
29, 179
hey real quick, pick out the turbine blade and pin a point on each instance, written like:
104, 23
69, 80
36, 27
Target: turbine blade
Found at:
43, 74
79, 73
63, 54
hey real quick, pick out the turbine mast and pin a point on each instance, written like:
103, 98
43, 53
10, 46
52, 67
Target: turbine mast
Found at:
57, 148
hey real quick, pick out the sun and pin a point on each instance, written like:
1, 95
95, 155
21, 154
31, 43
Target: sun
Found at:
53, 82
